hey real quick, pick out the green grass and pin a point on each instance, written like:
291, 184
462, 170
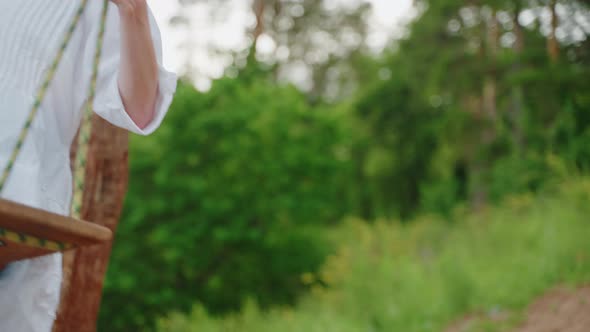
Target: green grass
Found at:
421, 277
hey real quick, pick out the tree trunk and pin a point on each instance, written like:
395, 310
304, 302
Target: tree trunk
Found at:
490, 86
258, 6
552, 44
517, 93
488, 113
84, 269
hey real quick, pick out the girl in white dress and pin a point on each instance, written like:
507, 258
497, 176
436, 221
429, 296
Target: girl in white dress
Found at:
133, 91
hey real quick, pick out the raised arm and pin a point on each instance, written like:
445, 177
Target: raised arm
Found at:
133, 89
138, 68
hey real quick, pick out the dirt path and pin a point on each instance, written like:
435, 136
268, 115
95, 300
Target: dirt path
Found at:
560, 310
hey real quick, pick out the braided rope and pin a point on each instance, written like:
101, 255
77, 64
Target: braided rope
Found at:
83, 136
86, 126
32, 241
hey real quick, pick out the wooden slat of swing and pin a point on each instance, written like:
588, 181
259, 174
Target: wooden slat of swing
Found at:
31, 222
85, 268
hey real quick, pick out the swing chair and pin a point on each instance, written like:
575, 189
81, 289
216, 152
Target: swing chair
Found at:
27, 232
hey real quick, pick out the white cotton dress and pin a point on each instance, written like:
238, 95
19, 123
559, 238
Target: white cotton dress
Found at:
30, 34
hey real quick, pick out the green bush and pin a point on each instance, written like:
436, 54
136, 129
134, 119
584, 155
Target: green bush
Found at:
220, 203
421, 276
518, 175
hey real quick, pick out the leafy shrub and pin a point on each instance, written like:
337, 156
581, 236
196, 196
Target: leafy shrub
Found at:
220, 201
420, 276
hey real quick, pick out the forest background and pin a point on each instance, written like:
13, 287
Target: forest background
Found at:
319, 184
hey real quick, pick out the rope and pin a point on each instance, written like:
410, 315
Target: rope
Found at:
86, 126
32, 241
83, 136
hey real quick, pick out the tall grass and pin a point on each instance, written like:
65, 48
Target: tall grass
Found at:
389, 277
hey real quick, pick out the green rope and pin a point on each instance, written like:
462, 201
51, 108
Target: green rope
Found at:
85, 127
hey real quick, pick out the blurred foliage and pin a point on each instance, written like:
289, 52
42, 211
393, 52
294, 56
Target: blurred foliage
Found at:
230, 202
220, 200
420, 277
317, 44
399, 146
494, 99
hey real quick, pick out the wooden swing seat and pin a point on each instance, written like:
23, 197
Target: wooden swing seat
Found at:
27, 232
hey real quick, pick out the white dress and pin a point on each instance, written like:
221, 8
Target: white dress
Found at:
30, 34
